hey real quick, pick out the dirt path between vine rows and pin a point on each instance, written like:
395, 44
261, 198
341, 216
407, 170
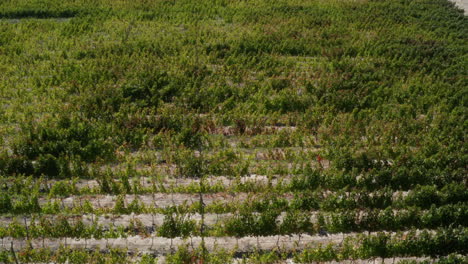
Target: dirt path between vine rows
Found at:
162, 246
463, 4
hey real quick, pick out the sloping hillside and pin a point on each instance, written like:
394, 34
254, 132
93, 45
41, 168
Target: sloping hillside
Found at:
218, 131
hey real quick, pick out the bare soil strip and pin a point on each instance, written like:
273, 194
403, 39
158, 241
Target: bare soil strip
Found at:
354, 261
169, 182
146, 220
463, 4
157, 200
160, 245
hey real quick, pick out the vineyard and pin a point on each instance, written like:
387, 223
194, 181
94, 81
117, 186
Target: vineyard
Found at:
222, 131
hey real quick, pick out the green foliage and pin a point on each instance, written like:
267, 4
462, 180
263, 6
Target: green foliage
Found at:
176, 225
148, 259
184, 255
190, 164
62, 189
339, 104
5, 203
119, 207
296, 222
69, 136
56, 149
310, 180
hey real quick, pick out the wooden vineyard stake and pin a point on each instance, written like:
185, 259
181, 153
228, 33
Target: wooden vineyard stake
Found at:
13, 253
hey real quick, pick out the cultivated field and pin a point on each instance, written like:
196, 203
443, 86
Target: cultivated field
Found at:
222, 131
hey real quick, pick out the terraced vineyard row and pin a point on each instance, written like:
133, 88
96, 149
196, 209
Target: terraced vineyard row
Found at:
217, 131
